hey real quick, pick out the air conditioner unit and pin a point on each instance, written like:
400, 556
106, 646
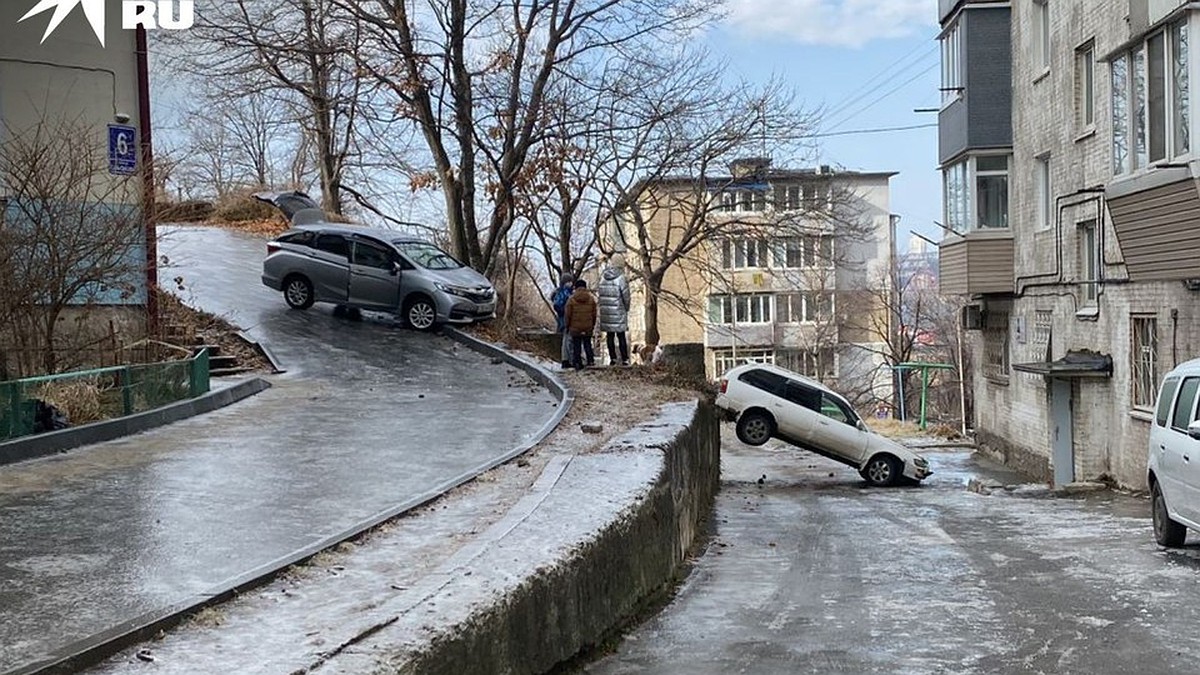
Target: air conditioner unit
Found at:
972, 317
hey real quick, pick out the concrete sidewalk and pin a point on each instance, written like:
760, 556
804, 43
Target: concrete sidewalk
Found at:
569, 549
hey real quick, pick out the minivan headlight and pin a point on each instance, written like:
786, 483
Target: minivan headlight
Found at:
452, 290
921, 462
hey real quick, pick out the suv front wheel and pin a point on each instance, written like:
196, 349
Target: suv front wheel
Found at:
883, 471
755, 427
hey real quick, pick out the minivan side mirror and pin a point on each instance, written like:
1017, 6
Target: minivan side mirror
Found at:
394, 269
1193, 430
861, 425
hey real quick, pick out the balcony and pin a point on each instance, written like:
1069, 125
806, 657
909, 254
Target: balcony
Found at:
1155, 216
978, 262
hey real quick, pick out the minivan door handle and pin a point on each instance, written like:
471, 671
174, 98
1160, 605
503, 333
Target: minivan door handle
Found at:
1186, 458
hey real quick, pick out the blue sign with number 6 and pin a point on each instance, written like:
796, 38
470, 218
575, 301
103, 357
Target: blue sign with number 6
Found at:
122, 149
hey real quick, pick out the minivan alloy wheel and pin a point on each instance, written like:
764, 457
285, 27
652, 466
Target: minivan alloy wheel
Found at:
1167, 532
298, 293
421, 314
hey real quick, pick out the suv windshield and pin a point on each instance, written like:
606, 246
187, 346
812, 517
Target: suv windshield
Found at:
427, 255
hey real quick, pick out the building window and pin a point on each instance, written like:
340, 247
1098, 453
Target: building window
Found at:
819, 364
1119, 70
1150, 100
793, 253
1089, 263
952, 64
743, 253
991, 189
741, 309
724, 359
1085, 86
787, 197
1043, 322
1041, 33
807, 307
1045, 195
728, 201
818, 251
976, 193
1144, 343
995, 345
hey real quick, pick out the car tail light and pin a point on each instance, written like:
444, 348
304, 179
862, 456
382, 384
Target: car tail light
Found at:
724, 385
272, 247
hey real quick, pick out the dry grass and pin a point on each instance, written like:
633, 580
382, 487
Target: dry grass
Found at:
81, 399
209, 617
893, 428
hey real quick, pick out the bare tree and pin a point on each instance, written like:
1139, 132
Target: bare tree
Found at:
290, 50
474, 78
73, 242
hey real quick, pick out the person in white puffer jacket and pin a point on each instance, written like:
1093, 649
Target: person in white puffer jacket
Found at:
613, 292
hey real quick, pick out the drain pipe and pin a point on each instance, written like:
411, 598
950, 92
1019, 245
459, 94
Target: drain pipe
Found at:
149, 214
1057, 274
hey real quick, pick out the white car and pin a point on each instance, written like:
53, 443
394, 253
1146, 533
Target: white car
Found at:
1173, 467
771, 402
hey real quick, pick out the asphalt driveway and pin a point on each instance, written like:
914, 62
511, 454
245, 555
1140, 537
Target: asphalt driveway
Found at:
368, 417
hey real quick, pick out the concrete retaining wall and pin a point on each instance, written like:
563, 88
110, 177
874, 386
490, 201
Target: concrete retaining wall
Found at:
568, 569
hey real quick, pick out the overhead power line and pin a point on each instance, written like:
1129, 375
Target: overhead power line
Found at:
880, 79
879, 130
878, 99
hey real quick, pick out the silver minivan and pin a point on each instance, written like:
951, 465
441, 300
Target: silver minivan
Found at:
372, 269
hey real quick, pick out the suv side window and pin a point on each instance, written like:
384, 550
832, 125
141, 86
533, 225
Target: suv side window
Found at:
1185, 403
835, 409
371, 255
765, 380
1165, 398
333, 243
802, 395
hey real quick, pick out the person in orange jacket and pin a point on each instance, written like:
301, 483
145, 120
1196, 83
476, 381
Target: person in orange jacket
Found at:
581, 316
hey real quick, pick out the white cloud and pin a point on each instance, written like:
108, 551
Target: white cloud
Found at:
842, 23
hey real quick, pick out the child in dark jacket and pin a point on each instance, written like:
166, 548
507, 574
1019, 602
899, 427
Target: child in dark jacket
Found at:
581, 315
566, 286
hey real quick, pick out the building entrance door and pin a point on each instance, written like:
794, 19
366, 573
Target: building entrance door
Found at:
1062, 439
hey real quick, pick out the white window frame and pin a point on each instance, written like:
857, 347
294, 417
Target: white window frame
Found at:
1085, 87
1089, 262
1143, 350
1137, 134
963, 216
1044, 176
1041, 36
806, 362
734, 253
952, 63
724, 359
746, 304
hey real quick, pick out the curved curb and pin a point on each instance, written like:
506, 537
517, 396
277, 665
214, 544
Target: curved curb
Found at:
91, 650
41, 445
262, 348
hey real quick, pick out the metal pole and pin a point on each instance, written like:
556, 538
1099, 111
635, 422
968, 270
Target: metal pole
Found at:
962, 380
924, 391
900, 372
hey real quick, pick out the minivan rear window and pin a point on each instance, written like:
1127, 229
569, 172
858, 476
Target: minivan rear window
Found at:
1185, 403
1165, 398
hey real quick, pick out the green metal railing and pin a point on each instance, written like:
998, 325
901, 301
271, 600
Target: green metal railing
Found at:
103, 393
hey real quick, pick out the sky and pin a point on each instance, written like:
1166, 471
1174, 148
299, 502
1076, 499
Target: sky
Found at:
867, 64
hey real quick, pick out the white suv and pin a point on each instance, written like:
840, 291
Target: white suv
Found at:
1173, 467
768, 401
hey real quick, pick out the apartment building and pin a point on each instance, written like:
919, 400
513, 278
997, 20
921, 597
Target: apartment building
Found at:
1070, 187
74, 87
789, 257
